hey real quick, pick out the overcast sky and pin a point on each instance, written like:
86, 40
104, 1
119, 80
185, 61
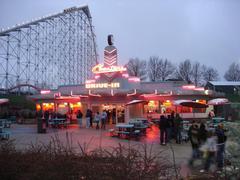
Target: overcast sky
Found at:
207, 31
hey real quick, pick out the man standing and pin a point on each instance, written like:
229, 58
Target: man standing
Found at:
88, 117
91, 118
97, 119
163, 130
79, 118
221, 139
103, 119
178, 128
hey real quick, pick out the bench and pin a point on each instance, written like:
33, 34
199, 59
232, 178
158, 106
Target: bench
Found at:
4, 134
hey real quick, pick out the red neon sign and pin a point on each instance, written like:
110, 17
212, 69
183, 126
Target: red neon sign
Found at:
134, 79
45, 91
188, 87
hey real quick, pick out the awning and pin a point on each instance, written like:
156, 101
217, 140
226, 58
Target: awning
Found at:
136, 102
218, 101
178, 102
2, 101
189, 103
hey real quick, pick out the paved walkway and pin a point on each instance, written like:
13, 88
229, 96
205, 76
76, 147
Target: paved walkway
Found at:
24, 135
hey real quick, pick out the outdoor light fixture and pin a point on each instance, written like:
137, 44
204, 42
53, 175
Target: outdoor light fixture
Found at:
125, 75
199, 89
132, 94
188, 87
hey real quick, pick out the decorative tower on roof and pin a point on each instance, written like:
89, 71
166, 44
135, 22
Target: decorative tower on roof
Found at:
110, 53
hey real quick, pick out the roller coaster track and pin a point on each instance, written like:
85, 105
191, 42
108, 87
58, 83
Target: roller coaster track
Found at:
58, 49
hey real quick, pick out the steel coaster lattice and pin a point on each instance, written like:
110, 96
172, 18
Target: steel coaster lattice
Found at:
59, 49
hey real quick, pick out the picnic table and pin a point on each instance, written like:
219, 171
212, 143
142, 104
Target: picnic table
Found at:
4, 134
217, 119
213, 123
58, 122
126, 130
6, 123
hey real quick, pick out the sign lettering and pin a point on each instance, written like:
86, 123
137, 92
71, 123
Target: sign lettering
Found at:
102, 85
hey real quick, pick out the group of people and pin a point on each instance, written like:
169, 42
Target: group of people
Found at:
208, 144
170, 127
91, 118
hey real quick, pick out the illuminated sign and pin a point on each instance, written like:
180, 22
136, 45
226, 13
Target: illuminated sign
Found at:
98, 69
45, 91
134, 79
102, 85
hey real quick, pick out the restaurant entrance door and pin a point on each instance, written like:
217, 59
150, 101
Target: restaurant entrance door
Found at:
115, 112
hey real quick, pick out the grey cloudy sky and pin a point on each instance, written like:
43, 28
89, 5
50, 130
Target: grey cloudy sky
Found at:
207, 31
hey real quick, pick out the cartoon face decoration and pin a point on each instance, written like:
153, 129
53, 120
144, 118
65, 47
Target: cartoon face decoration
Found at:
110, 40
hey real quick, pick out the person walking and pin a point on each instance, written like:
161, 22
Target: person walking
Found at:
163, 130
211, 148
103, 119
97, 119
178, 122
88, 116
193, 134
79, 118
221, 139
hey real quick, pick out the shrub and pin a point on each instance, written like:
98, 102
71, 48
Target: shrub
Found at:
61, 161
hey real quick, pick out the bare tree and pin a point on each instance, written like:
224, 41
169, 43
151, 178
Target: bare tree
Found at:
153, 67
137, 67
233, 72
209, 74
166, 69
185, 70
159, 69
196, 73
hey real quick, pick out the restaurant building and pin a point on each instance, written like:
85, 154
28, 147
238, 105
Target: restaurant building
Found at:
123, 96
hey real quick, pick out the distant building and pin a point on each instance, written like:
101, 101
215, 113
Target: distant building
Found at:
228, 87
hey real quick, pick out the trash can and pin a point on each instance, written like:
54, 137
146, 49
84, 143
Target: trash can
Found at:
41, 125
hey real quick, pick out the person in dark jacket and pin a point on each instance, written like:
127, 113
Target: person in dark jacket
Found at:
193, 134
163, 130
178, 123
202, 133
91, 118
88, 116
169, 127
79, 118
221, 139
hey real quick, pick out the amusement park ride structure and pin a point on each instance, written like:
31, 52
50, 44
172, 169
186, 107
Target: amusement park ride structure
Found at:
53, 50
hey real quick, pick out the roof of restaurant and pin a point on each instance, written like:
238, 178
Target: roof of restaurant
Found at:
225, 83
